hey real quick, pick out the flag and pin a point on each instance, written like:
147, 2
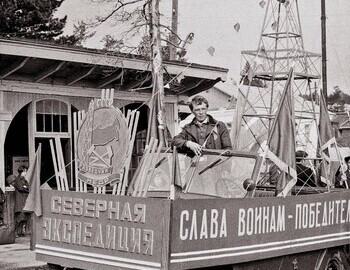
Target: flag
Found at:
237, 120
246, 132
237, 26
262, 4
211, 50
274, 26
326, 140
175, 185
156, 121
247, 73
33, 203
281, 141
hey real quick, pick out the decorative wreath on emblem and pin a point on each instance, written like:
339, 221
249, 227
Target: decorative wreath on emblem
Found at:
102, 143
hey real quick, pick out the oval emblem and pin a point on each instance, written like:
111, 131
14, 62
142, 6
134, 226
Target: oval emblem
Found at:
102, 145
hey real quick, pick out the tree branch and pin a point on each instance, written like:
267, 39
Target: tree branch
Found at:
177, 36
117, 8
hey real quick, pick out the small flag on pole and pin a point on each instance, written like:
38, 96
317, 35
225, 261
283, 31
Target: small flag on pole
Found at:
262, 4
33, 203
274, 26
237, 26
281, 141
327, 139
211, 50
248, 71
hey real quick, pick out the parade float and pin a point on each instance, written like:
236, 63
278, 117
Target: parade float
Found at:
222, 209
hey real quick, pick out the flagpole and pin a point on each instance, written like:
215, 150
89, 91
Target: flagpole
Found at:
156, 123
324, 50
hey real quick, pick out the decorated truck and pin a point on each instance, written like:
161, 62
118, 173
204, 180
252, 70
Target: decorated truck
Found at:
247, 208
196, 229
183, 212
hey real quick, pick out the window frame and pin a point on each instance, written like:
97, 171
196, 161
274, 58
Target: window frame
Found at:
50, 134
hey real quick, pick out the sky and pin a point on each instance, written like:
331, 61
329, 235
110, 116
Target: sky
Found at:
212, 22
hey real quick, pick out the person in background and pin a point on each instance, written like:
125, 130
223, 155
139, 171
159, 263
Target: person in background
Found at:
305, 175
21, 186
203, 131
341, 178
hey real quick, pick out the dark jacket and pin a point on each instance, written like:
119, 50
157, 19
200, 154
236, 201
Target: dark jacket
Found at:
338, 182
21, 191
219, 137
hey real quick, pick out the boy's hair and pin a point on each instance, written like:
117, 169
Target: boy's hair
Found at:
22, 168
198, 100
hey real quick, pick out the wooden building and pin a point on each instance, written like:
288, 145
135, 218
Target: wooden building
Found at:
43, 84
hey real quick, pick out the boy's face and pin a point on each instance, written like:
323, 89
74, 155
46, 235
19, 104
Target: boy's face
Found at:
348, 163
200, 111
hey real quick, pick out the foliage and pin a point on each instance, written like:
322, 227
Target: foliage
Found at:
335, 100
33, 19
134, 18
339, 97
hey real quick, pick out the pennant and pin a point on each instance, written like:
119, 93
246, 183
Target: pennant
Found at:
274, 26
326, 140
33, 203
281, 141
180, 77
262, 4
237, 26
248, 71
211, 50
237, 121
244, 130
263, 51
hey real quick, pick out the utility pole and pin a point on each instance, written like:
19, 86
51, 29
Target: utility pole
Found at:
174, 23
324, 50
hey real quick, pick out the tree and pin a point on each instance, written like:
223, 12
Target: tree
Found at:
134, 17
338, 96
33, 19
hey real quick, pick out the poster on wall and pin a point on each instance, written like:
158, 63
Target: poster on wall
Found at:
18, 161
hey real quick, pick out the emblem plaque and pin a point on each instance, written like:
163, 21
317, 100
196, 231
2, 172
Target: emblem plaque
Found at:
102, 144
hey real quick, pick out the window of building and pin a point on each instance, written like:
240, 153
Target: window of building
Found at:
51, 116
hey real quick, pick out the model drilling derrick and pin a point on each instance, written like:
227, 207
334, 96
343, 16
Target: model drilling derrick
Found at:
265, 71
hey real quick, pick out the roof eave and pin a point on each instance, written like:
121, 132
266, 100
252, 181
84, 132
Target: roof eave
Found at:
28, 48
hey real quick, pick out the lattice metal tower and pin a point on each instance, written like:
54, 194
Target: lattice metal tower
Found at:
265, 73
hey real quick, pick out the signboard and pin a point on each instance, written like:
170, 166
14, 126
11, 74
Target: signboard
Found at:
98, 231
227, 231
102, 144
17, 162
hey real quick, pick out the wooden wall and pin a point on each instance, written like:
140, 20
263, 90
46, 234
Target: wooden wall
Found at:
15, 95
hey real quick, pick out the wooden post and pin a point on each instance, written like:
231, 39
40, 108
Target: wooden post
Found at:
324, 50
173, 37
53, 154
157, 76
